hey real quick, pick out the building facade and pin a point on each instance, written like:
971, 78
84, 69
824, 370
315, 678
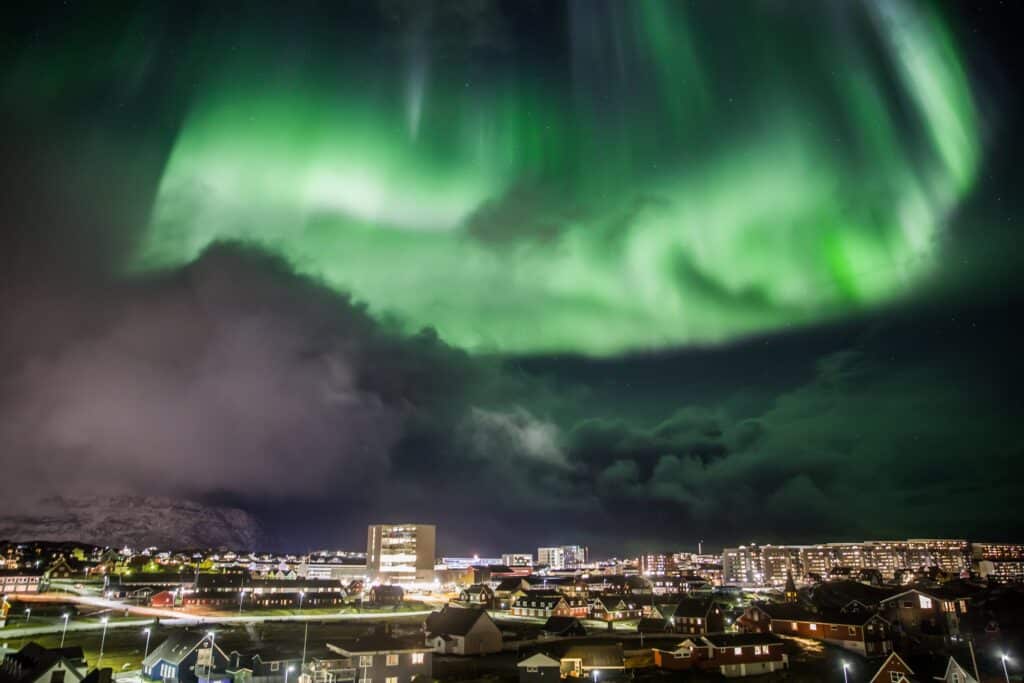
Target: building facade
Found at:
401, 553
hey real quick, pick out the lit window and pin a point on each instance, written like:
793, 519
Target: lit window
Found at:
392, 660
417, 658
814, 627
895, 676
852, 630
391, 679
926, 602
737, 650
365, 661
793, 624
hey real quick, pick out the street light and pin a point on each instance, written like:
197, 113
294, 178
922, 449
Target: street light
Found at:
846, 676
1006, 674
28, 614
213, 641
64, 632
148, 632
288, 671
241, 597
302, 594
103, 641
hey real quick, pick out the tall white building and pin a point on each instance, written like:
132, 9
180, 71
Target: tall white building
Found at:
517, 559
401, 553
563, 556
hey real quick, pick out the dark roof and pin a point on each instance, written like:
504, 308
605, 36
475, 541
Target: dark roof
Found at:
740, 639
693, 607
791, 612
32, 660
177, 646
510, 584
559, 625
389, 590
455, 621
103, 675
652, 625
377, 642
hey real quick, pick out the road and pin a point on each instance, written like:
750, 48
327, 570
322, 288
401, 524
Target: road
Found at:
169, 617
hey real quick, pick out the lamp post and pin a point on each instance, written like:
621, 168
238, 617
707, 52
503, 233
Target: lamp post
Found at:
64, 631
846, 675
241, 597
103, 641
1006, 673
28, 614
145, 652
302, 594
213, 642
288, 671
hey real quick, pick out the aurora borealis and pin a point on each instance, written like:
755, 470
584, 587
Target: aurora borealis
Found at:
673, 191
638, 266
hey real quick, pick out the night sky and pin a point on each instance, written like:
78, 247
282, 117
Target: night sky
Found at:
629, 274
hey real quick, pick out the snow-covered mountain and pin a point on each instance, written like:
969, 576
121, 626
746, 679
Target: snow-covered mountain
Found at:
135, 521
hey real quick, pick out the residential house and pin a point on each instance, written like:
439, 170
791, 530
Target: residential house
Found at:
615, 608
22, 581
34, 663
693, 616
545, 604
592, 661
562, 627
733, 655
382, 658
865, 633
185, 657
893, 670
462, 631
477, 595
509, 590
539, 668
386, 595
268, 665
927, 612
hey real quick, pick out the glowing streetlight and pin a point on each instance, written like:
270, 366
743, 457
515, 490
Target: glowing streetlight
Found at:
302, 594
846, 675
28, 614
213, 650
148, 633
1006, 674
288, 671
103, 641
64, 631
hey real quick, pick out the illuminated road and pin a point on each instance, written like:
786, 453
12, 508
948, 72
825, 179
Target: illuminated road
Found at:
170, 617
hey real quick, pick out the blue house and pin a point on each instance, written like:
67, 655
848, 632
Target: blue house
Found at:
187, 657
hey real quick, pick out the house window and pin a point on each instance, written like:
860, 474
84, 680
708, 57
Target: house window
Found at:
531, 669
365, 661
417, 657
392, 660
963, 606
793, 624
275, 666
814, 627
391, 679
834, 627
907, 604
852, 630
956, 677
895, 676
926, 602
737, 650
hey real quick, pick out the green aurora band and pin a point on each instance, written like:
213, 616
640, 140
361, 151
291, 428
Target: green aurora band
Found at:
660, 192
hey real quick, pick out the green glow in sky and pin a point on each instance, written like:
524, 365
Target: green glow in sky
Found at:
671, 193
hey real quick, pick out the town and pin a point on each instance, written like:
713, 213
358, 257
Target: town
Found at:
911, 610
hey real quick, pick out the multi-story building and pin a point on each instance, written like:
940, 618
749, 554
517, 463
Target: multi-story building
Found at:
780, 562
517, 559
563, 556
401, 553
999, 562
742, 565
948, 555
658, 564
